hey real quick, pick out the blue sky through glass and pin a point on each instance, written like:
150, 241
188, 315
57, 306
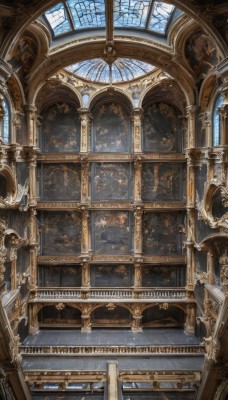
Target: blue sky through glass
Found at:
122, 70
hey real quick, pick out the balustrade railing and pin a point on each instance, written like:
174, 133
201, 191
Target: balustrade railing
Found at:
109, 350
91, 293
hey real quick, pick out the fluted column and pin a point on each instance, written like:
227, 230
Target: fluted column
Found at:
138, 273
85, 128
205, 118
137, 131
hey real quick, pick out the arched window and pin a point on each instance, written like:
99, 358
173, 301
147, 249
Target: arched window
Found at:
217, 121
5, 123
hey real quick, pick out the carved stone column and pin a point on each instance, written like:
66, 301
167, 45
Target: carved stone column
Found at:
85, 128
31, 118
85, 273
85, 231
137, 180
190, 155
32, 156
86, 319
3, 252
189, 245
112, 381
33, 247
205, 118
16, 125
223, 111
136, 318
33, 318
190, 319
190, 112
138, 273
2, 113
84, 180
137, 131
138, 231
224, 274
210, 266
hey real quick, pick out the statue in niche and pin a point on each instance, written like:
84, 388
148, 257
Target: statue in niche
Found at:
160, 128
111, 181
161, 234
70, 177
201, 54
61, 129
162, 181
111, 129
111, 232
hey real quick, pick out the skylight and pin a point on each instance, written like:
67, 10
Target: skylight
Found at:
121, 70
74, 15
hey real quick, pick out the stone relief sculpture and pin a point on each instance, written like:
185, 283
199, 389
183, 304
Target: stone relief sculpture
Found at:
111, 129
61, 129
160, 128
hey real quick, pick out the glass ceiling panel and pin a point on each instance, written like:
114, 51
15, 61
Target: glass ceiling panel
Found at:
83, 14
122, 70
58, 19
87, 13
160, 16
131, 12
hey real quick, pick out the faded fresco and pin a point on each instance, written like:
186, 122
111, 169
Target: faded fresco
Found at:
59, 316
111, 181
162, 234
60, 233
24, 55
61, 129
161, 128
111, 233
114, 315
60, 182
158, 317
162, 181
163, 276
59, 276
201, 54
111, 275
111, 129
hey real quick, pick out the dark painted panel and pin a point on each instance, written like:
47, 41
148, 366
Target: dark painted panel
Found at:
160, 317
111, 275
61, 233
61, 129
162, 233
60, 182
111, 181
163, 181
163, 275
59, 276
161, 128
111, 129
111, 232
